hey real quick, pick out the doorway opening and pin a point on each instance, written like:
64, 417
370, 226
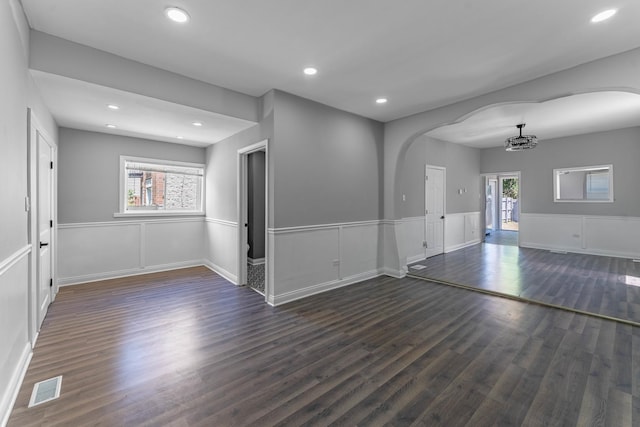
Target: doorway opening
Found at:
255, 220
502, 208
252, 218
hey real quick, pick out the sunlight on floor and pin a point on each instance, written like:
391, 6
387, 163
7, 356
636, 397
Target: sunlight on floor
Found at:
632, 280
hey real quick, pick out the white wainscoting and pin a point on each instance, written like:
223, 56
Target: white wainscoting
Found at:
414, 235
104, 250
221, 254
596, 235
461, 230
313, 259
15, 348
394, 258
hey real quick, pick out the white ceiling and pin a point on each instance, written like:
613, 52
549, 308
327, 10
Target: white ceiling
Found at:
419, 54
81, 105
570, 115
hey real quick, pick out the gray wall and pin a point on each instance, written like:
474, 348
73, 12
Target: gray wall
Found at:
222, 175
88, 176
256, 201
328, 164
463, 171
63, 57
618, 147
325, 165
18, 94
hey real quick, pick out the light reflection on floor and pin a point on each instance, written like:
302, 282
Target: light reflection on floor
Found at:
604, 286
142, 358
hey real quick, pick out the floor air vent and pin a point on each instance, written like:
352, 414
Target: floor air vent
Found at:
45, 391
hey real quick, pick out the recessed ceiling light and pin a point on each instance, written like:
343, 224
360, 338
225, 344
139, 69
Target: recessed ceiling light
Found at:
381, 101
180, 137
603, 16
197, 124
110, 126
113, 107
310, 71
176, 14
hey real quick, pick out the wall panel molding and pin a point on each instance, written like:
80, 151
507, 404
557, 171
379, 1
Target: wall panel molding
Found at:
414, 237
461, 230
615, 236
105, 250
220, 247
317, 258
15, 350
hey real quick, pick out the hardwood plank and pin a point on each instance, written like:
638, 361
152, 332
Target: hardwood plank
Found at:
594, 284
187, 348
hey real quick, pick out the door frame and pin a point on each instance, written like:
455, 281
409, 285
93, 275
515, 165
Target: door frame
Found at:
498, 176
444, 204
242, 206
501, 178
34, 127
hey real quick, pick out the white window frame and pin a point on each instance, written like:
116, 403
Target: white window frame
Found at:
556, 184
122, 191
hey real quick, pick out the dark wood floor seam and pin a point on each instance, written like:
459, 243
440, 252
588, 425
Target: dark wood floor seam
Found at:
521, 299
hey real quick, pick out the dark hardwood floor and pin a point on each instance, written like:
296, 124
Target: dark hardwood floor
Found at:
604, 286
502, 237
187, 348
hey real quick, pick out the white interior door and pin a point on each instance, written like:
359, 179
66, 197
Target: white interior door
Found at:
45, 223
434, 209
492, 198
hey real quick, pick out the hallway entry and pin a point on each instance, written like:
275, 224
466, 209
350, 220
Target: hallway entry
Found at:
252, 217
255, 220
502, 208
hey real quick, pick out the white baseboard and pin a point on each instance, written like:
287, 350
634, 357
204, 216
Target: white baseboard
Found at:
460, 246
256, 261
614, 254
415, 258
322, 287
221, 271
613, 236
398, 274
70, 281
10, 394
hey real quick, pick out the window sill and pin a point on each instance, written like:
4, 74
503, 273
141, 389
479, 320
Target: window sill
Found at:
155, 214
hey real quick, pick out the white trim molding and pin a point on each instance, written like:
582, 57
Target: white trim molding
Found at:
323, 287
324, 226
615, 236
221, 271
14, 258
221, 222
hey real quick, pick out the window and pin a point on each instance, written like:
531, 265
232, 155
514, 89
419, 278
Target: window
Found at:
584, 184
160, 187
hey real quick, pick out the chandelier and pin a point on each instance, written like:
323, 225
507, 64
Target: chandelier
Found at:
520, 142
